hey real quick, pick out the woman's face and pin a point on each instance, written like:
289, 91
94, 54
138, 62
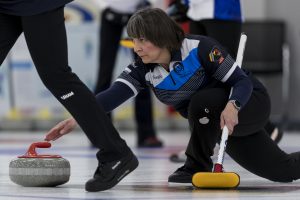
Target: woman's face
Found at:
148, 52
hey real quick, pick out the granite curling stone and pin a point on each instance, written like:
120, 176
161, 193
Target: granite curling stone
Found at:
37, 170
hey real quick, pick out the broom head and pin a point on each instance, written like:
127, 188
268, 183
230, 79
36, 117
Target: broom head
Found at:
216, 180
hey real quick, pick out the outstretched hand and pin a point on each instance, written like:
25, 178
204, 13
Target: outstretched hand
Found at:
62, 128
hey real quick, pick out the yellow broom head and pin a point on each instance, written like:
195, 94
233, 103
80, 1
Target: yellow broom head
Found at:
216, 180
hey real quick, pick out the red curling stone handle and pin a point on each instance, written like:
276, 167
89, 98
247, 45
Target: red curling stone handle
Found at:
31, 152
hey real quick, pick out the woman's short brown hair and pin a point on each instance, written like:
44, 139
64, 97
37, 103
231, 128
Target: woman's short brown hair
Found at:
156, 26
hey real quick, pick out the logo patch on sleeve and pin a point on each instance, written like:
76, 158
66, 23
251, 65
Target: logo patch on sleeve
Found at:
216, 56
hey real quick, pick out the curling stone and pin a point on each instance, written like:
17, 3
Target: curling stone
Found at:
37, 170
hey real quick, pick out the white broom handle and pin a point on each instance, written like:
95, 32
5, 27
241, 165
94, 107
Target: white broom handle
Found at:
225, 131
223, 142
241, 49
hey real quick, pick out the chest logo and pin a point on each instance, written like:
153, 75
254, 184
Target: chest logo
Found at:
178, 67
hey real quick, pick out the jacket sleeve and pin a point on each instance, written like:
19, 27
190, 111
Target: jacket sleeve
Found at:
114, 96
220, 65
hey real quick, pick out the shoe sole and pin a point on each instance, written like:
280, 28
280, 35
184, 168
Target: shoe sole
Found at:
180, 181
130, 166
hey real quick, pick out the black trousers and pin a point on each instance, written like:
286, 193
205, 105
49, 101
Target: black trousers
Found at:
110, 36
249, 145
45, 36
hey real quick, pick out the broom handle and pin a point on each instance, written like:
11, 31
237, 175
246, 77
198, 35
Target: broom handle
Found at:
241, 49
225, 131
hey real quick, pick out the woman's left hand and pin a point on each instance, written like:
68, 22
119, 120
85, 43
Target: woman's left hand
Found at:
229, 117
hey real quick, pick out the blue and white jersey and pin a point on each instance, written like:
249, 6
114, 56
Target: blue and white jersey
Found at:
215, 9
200, 61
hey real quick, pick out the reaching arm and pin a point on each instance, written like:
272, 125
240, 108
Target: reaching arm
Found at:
114, 96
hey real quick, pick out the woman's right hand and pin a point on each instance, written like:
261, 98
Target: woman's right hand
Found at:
229, 117
62, 128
